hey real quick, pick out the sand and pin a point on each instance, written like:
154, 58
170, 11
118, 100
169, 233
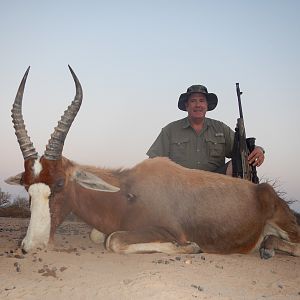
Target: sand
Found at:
76, 268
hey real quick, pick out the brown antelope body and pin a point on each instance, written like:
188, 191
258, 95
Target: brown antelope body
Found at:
157, 206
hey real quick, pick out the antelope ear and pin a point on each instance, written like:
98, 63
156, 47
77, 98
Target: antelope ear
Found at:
93, 182
14, 180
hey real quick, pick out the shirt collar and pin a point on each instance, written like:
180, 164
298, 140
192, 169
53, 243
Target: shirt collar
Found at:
186, 123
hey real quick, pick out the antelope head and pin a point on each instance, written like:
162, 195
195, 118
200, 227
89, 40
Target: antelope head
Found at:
46, 178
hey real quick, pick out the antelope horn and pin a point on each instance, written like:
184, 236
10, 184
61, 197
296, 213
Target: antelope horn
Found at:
56, 143
26, 145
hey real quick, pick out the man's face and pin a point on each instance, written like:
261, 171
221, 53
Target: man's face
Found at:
196, 106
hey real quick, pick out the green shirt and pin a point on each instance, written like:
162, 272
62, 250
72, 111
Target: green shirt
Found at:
206, 150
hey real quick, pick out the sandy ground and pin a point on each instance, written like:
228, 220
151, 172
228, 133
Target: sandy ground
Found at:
78, 269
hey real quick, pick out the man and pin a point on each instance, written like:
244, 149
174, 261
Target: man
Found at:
198, 142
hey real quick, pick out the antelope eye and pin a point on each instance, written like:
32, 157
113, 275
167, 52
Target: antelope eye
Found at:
60, 183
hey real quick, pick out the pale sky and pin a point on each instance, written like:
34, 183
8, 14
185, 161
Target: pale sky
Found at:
134, 59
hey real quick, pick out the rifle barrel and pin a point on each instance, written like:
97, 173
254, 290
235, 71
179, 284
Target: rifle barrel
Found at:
239, 93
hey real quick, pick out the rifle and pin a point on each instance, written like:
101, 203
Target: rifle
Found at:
242, 146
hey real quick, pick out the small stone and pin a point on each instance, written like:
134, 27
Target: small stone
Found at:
17, 266
198, 287
127, 281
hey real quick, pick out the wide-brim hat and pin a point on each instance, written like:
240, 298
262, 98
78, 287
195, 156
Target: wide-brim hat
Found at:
211, 98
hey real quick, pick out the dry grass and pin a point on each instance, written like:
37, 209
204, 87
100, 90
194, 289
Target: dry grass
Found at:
14, 211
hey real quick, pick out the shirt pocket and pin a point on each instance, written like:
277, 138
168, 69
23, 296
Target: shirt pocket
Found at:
179, 149
216, 146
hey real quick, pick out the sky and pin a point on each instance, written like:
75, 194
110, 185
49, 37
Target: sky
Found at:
134, 59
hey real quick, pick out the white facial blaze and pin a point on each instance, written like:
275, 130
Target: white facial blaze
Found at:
37, 167
38, 231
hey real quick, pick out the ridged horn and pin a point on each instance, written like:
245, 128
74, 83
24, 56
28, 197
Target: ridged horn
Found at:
56, 143
26, 145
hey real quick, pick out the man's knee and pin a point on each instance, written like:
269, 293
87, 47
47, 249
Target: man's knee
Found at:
225, 169
229, 168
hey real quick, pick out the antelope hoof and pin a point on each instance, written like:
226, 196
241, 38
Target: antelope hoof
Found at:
266, 253
97, 237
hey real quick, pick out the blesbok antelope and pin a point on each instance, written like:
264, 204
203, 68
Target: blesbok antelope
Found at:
156, 206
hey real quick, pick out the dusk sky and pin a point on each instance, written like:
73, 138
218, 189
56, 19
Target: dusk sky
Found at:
134, 59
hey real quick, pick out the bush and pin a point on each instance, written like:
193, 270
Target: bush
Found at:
14, 211
18, 209
4, 198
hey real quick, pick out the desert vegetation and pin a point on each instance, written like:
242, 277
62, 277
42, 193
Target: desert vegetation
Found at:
13, 206
18, 207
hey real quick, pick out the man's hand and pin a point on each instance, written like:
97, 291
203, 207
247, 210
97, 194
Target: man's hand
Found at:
256, 157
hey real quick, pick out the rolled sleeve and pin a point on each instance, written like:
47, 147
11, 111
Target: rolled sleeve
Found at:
161, 146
